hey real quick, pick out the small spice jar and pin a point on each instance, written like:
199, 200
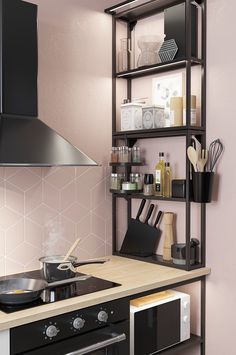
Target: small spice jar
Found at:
148, 185
118, 154
132, 177
139, 182
114, 155
124, 156
116, 181
136, 155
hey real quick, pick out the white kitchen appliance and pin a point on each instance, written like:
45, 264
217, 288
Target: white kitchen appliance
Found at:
159, 321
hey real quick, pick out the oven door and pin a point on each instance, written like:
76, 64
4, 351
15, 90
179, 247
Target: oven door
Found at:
110, 340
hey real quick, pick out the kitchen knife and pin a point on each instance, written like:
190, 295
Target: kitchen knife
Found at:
142, 204
157, 219
150, 210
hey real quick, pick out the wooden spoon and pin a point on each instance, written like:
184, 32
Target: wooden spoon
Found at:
192, 155
70, 251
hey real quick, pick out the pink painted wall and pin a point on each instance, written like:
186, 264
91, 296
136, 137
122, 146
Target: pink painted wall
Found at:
43, 210
221, 242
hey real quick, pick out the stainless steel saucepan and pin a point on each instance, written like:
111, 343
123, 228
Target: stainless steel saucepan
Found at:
17, 291
56, 268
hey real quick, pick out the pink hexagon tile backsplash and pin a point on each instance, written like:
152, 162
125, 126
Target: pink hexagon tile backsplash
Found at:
43, 210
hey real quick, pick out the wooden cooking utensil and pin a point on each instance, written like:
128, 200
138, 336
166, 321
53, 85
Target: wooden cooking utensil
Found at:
192, 155
202, 160
70, 251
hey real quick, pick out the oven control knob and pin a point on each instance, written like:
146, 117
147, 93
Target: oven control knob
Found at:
52, 331
102, 316
78, 323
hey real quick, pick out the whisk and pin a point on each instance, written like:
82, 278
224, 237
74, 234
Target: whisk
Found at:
215, 150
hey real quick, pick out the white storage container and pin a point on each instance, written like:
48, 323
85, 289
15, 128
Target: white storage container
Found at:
153, 117
131, 116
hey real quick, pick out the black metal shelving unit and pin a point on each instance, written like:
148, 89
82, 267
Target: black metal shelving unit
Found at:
130, 15
130, 12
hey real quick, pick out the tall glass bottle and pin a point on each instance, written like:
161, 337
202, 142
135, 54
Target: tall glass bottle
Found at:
159, 176
167, 180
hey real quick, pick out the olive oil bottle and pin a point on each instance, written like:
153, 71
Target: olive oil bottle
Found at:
167, 180
159, 176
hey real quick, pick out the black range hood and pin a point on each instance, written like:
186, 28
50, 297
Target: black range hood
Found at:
24, 139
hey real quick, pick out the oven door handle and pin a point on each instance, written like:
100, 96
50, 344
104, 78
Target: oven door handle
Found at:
115, 338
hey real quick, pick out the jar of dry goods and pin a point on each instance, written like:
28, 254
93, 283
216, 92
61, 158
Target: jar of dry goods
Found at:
138, 180
136, 155
116, 181
114, 155
124, 156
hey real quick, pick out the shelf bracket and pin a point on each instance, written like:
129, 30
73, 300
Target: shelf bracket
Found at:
132, 25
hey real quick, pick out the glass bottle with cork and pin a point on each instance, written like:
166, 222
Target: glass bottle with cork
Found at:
159, 176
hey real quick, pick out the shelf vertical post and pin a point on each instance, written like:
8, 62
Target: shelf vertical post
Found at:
114, 211
188, 51
113, 75
114, 201
188, 206
203, 316
203, 121
204, 53
188, 37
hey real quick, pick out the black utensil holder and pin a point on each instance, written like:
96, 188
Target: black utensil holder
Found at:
202, 186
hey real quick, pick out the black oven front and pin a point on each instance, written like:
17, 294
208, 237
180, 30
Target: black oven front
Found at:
97, 330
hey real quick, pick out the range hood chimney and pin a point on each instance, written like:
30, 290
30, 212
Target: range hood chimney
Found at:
24, 139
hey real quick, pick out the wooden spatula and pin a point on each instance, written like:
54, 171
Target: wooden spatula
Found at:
192, 155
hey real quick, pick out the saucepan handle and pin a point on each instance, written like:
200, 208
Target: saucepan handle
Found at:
73, 265
87, 262
64, 266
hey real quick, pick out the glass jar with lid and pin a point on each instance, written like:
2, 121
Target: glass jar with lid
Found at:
114, 155
136, 155
139, 181
136, 178
132, 177
115, 181
124, 156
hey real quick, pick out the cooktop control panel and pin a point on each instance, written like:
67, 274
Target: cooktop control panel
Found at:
69, 324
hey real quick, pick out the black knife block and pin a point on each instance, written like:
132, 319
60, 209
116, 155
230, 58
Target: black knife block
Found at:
141, 239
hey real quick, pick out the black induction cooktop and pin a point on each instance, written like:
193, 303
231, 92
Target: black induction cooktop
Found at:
59, 293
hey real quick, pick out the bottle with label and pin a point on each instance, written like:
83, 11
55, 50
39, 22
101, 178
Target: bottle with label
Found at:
159, 176
167, 180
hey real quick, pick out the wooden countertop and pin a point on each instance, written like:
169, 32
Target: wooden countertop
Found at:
134, 277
